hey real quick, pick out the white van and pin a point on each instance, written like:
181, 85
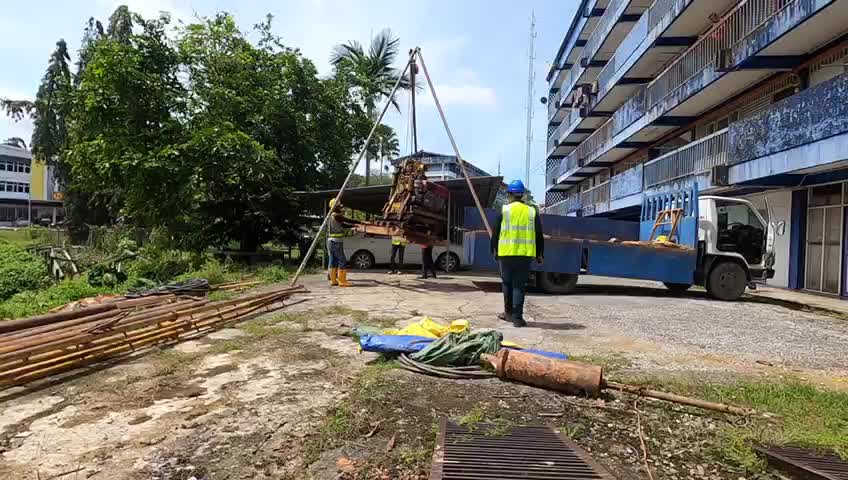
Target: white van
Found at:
365, 252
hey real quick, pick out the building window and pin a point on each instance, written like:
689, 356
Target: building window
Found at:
826, 195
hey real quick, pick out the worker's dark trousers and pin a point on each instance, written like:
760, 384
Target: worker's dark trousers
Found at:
397, 251
515, 271
427, 264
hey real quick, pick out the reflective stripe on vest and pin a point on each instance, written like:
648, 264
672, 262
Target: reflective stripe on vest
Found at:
518, 231
337, 235
399, 241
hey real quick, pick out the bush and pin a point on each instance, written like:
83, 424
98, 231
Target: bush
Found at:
164, 265
37, 302
19, 271
274, 273
214, 271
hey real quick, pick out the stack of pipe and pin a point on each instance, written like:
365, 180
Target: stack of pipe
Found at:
38, 347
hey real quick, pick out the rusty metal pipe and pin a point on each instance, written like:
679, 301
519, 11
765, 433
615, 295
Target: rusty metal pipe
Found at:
111, 336
76, 360
564, 376
20, 324
69, 339
23, 338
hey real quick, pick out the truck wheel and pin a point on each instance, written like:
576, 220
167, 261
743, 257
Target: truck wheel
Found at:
727, 281
557, 283
677, 287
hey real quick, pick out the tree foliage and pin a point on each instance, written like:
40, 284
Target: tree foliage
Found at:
204, 134
373, 76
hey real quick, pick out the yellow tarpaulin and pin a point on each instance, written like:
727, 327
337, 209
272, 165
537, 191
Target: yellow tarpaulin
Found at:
427, 327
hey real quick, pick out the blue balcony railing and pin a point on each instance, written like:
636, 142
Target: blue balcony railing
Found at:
811, 115
694, 158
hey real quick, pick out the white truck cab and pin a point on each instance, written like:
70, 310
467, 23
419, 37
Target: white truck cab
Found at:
736, 246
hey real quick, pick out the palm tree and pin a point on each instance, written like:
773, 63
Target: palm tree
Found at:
374, 74
384, 145
17, 142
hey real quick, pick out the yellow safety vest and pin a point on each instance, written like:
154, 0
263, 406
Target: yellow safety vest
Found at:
518, 231
399, 241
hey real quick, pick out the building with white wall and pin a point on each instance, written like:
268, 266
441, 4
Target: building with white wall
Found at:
29, 192
743, 98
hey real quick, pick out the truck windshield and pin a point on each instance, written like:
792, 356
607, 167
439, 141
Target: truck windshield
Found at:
740, 230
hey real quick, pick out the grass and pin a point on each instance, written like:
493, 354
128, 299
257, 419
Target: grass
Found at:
806, 416
171, 362
343, 422
35, 302
26, 236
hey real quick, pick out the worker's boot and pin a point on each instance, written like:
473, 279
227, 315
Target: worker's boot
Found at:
334, 277
343, 278
505, 316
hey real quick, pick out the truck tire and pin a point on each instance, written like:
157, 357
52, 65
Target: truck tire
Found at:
677, 287
557, 283
726, 281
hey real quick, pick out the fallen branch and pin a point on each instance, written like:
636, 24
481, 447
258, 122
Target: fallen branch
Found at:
670, 397
642, 438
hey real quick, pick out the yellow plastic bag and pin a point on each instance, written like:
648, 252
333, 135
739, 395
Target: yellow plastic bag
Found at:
427, 327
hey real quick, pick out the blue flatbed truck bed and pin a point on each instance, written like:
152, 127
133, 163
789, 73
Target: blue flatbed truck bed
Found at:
593, 246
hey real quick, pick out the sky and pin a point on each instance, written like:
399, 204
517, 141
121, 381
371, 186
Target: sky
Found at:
477, 52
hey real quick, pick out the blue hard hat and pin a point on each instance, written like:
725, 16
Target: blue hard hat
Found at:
516, 186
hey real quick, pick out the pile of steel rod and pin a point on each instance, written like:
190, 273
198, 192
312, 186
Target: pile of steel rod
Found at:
37, 347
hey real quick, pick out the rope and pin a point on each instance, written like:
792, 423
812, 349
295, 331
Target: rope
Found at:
457, 373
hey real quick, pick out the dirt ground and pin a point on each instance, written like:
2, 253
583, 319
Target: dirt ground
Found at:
288, 395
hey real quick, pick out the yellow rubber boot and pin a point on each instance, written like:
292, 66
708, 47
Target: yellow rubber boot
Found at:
343, 278
334, 277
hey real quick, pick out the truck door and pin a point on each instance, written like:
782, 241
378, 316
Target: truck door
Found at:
741, 230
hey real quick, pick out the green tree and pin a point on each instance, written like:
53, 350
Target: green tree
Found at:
373, 74
303, 130
384, 146
17, 109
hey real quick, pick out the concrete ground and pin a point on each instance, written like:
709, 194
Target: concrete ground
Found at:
640, 320
247, 402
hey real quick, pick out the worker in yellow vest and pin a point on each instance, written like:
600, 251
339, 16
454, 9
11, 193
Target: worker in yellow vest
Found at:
516, 240
398, 247
336, 226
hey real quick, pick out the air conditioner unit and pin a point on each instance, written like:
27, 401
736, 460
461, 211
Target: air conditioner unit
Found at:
584, 111
595, 88
581, 162
720, 176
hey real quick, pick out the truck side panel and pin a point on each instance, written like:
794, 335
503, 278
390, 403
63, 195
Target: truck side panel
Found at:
558, 226
561, 255
641, 262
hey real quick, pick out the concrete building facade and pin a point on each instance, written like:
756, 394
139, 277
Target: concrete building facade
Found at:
29, 192
745, 98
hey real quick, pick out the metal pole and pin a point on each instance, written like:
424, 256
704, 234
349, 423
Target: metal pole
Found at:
531, 78
448, 253
353, 169
412, 71
453, 144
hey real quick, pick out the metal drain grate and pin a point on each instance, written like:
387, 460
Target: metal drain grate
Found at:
806, 464
491, 452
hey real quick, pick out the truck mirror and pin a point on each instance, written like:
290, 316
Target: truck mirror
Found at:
781, 227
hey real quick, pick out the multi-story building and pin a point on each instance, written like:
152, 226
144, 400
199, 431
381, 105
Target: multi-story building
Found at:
28, 190
743, 98
441, 167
